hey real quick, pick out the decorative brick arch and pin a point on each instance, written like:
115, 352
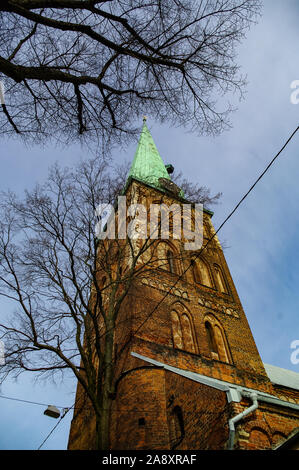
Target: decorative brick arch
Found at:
221, 281
162, 250
217, 340
274, 435
260, 437
202, 272
182, 327
252, 424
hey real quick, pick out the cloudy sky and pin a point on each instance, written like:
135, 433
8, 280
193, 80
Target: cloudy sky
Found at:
261, 237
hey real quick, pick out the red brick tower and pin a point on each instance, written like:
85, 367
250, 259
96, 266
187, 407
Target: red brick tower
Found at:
190, 376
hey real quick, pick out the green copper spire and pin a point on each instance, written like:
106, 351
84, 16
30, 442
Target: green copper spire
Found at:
148, 165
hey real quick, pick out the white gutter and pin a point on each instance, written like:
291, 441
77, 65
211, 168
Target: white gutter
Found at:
235, 419
234, 393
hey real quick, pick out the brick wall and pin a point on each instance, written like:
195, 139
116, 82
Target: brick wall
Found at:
265, 427
142, 413
143, 407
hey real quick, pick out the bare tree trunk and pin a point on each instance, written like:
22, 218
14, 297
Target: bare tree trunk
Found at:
103, 440
69, 290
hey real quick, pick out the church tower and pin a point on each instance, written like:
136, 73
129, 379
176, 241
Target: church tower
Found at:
188, 372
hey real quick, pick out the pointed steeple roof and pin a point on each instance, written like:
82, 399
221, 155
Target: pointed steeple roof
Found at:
148, 165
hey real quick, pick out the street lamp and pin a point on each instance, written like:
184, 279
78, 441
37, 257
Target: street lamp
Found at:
52, 411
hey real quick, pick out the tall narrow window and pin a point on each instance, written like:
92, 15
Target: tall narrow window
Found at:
176, 427
166, 257
176, 331
196, 274
222, 351
205, 275
182, 330
170, 260
217, 341
211, 340
187, 334
201, 273
220, 279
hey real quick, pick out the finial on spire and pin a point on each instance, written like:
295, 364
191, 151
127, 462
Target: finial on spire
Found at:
144, 118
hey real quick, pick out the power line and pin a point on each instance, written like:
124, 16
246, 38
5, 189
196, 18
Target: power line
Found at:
215, 233
199, 253
219, 228
66, 410
30, 402
258, 179
73, 407
64, 414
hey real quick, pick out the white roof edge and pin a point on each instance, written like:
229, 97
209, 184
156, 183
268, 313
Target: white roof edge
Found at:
284, 377
233, 391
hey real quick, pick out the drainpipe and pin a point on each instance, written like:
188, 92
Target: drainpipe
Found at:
235, 419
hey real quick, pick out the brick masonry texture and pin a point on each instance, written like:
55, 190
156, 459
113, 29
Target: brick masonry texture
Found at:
158, 409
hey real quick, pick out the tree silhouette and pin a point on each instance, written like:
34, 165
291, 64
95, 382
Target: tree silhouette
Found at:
88, 69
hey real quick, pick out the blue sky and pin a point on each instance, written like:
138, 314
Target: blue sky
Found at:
262, 251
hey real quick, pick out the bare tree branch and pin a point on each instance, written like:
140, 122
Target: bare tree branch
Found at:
89, 69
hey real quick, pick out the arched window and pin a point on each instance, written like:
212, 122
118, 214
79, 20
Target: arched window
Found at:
171, 262
204, 272
211, 339
182, 329
222, 350
167, 257
196, 274
201, 273
176, 427
216, 340
220, 279
176, 331
187, 334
